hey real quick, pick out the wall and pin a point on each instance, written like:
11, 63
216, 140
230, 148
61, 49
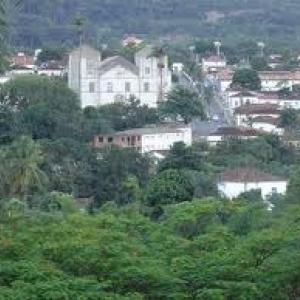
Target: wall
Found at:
234, 189
164, 141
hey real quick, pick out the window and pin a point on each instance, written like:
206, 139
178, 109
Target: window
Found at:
110, 87
110, 139
127, 87
92, 87
274, 191
147, 71
146, 87
100, 139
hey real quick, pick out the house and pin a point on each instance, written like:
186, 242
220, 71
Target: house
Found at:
270, 80
51, 69
213, 63
225, 133
177, 67
277, 80
275, 61
22, 60
148, 139
267, 124
131, 41
240, 98
244, 114
115, 79
233, 183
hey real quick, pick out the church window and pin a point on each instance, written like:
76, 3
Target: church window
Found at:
147, 71
92, 87
110, 87
127, 87
146, 87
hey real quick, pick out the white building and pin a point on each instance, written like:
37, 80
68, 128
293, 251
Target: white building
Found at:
99, 82
225, 133
270, 80
235, 99
148, 139
177, 67
267, 124
246, 113
233, 183
213, 63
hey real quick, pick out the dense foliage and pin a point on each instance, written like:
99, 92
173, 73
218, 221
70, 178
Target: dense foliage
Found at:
204, 249
50, 21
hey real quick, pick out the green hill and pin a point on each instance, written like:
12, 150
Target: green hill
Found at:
49, 21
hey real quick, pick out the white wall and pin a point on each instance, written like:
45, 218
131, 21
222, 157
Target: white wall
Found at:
165, 141
270, 128
234, 189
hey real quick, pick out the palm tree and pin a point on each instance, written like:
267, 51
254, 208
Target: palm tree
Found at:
20, 168
159, 53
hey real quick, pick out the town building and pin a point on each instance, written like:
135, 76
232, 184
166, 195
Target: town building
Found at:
270, 80
115, 79
177, 67
51, 69
149, 139
267, 124
22, 60
245, 114
275, 61
131, 41
213, 63
235, 99
233, 183
223, 134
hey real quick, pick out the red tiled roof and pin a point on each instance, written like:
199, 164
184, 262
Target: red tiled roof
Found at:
246, 175
237, 132
244, 94
267, 120
266, 108
214, 58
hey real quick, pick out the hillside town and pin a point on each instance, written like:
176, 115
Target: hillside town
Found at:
240, 112
149, 150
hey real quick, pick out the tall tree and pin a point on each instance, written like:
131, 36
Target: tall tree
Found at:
21, 168
183, 104
247, 78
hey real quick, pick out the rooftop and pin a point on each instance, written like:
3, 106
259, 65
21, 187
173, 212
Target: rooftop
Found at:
237, 132
113, 61
151, 130
214, 58
267, 120
247, 175
244, 94
266, 108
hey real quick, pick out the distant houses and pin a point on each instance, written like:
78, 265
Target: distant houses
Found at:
273, 81
154, 139
213, 63
235, 182
224, 134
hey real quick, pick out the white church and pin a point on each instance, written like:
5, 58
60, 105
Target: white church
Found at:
115, 79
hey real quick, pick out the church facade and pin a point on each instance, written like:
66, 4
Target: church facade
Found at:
115, 79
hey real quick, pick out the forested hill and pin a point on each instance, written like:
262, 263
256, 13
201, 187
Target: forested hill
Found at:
47, 21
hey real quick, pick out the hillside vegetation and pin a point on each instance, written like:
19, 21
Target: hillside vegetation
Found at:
48, 21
